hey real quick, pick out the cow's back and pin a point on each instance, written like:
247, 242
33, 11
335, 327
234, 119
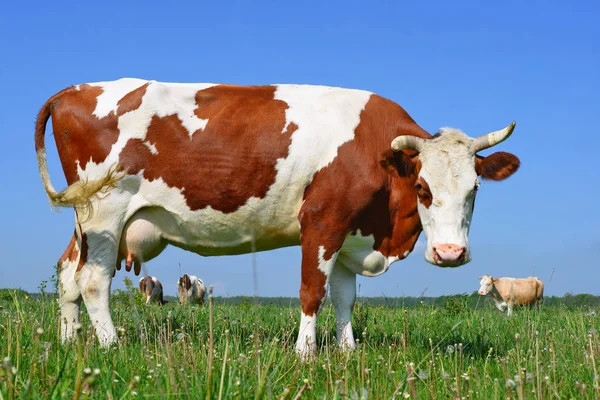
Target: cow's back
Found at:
229, 156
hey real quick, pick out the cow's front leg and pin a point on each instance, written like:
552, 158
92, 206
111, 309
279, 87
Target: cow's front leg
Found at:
510, 310
317, 265
342, 287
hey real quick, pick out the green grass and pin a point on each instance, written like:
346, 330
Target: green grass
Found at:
424, 352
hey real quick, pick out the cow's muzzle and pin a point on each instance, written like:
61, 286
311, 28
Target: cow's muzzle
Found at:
449, 255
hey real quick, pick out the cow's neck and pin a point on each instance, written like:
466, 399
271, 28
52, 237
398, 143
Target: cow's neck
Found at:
405, 226
391, 215
496, 294
392, 218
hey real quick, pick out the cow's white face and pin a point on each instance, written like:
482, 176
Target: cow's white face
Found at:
447, 168
446, 185
486, 284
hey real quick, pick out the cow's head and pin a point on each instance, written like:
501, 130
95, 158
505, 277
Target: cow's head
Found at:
447, 168
487, 283
183, 285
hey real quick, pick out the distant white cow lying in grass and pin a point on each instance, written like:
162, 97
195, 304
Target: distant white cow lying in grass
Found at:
191, 290
151, 287
508, 292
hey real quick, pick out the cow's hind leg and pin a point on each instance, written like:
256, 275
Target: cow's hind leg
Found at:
342, 287
94, 277
68, 291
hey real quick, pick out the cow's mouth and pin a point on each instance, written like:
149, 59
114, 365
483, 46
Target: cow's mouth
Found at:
449, 256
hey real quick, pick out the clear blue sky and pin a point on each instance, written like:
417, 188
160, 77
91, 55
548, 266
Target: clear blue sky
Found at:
447, 63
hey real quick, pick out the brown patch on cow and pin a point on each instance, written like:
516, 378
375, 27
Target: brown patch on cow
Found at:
143, 284
132, 100
79, 134
84, 252
423, 192
312, 295
230, 161
497, 166
70, 253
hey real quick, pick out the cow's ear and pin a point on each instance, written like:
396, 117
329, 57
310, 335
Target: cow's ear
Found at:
480, 278
404, 161
494, 280
497, 166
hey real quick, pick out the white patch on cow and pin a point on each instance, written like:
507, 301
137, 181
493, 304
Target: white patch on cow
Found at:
325, 266
448, 167
306, 344
357, 254
151, 147
180, 99
326, 118
114, 91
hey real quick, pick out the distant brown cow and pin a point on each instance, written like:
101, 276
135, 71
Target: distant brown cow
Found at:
508, 292
152, 290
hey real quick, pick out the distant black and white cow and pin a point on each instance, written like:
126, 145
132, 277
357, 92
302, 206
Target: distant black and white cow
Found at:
191, 290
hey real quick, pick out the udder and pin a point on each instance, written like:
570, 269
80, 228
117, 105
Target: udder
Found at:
141, 241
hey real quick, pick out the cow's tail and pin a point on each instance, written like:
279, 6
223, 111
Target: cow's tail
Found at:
81, 193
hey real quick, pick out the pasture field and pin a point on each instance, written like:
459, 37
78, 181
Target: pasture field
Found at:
423, 352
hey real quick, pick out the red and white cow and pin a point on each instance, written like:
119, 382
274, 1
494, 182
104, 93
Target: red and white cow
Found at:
152, 289
191, 290
511, 292
346, 174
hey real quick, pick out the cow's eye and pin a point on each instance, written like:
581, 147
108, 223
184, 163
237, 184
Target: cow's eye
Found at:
418, 186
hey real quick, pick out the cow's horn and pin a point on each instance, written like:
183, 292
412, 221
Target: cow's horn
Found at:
407, 142
493, 138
